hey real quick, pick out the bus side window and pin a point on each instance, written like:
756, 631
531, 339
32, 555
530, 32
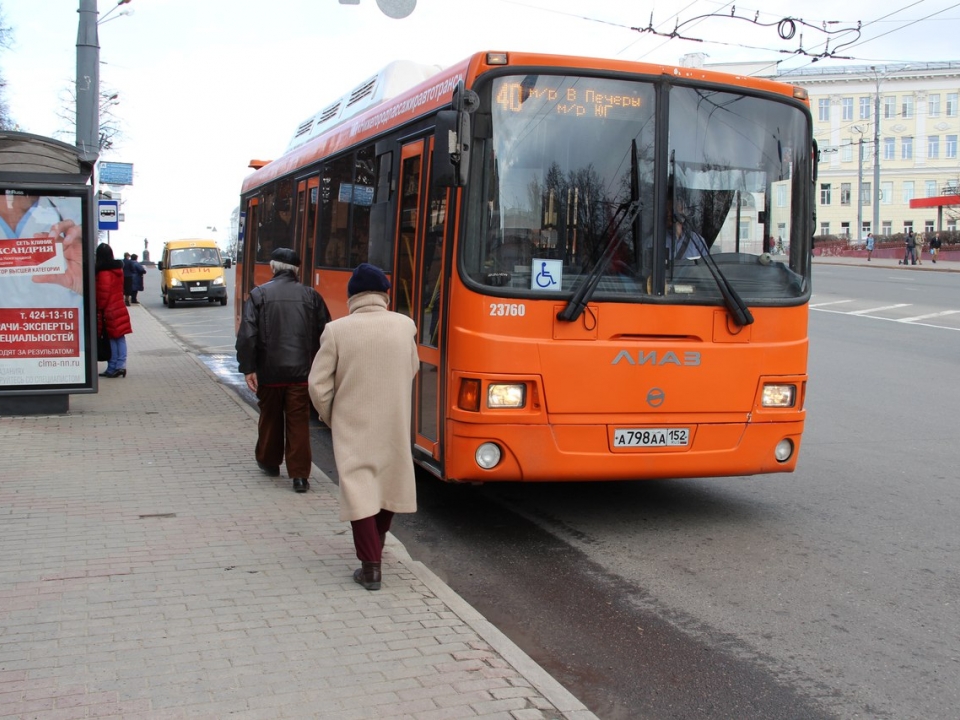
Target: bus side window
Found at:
336, 252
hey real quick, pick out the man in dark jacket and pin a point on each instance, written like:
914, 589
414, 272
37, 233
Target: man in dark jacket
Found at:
278, 337
136, 282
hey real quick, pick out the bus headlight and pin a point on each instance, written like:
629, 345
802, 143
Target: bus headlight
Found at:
488, 455
779, 396
501, 395
784, 450
174, 282
217, 281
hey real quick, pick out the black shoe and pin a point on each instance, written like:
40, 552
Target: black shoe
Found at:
122, 372
368, 576
269, 470
301, 485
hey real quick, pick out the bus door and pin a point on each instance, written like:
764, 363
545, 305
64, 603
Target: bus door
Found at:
246, 258
418, 282
308, 201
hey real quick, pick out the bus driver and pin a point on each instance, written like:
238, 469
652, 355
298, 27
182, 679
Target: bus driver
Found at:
683, 242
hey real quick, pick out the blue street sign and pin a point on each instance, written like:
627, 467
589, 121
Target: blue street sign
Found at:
114, 173
109, 214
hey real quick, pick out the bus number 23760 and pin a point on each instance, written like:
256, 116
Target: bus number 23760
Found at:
507, 309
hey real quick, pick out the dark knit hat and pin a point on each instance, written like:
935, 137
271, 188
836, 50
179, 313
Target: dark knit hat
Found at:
286, 256
367, 278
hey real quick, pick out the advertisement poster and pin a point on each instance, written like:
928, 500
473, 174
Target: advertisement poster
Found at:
42, 321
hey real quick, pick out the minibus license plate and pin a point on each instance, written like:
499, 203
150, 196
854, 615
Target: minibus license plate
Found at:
651, 437
198, 288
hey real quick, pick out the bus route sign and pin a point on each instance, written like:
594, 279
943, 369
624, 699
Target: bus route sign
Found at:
114, 173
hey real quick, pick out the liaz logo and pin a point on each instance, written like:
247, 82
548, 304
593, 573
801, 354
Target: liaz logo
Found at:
688, 359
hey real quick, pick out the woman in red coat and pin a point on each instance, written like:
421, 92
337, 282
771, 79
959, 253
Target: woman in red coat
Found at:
112, 310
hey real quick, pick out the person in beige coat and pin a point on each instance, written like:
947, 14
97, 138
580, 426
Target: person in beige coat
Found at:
361, 385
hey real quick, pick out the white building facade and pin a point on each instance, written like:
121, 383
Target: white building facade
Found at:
918, 128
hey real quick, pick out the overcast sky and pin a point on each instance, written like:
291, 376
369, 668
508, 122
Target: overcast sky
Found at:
204, 86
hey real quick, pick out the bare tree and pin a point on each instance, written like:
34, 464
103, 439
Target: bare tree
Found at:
110, 126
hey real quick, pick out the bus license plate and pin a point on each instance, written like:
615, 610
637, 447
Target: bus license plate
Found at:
651, 437
198, 288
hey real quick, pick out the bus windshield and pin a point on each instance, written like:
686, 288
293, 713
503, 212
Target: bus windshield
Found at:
560, 161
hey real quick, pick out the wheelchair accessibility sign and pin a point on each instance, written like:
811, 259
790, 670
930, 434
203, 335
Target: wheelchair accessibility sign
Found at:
546, 274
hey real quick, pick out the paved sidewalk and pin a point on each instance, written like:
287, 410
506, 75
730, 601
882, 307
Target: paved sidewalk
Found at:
149, 570
887, 263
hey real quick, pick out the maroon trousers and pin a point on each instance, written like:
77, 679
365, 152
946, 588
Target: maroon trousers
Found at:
368, 535
285, 428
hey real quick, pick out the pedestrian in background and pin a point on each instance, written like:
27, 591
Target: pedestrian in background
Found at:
870, 244
934, 248
918, 250
137, 280
111, 310
361, 384
910, 249
127, 278
278, 338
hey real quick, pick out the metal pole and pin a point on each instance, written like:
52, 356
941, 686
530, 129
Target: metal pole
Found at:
876, 158
88, 83
860, 188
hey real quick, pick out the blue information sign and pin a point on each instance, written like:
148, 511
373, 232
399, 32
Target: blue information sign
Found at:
114, 173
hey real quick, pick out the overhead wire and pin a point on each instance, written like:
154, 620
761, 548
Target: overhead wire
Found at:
786, 26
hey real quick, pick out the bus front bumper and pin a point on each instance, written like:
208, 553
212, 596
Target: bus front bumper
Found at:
576, 453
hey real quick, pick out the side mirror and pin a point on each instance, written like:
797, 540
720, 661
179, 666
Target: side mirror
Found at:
452, 139
159, 265
451, 155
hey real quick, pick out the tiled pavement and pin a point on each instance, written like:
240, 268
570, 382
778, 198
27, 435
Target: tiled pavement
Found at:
148, 570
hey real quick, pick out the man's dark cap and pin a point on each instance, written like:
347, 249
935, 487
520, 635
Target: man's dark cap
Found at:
286, 255
367, 278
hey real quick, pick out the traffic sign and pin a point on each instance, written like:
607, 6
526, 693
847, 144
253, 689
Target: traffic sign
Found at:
109, 214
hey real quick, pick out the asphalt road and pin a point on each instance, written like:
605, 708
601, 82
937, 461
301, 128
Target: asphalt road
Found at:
831, 592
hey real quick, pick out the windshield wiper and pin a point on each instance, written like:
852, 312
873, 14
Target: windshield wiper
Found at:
731, 298
575, 307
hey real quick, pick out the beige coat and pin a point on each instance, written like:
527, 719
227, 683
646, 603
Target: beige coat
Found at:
361, 384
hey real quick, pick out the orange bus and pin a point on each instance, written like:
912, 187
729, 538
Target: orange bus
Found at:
608, 262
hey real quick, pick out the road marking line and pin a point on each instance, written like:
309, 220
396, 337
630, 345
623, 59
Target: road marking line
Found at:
886, 319
928, 315
878, 309
833, 302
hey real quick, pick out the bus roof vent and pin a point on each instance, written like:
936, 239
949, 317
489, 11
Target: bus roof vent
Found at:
395, 79
304, 128
363, 91
330, 112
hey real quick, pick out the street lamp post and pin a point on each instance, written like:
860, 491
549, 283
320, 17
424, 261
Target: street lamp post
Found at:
859, 130
876, 156
88, 79
88, 82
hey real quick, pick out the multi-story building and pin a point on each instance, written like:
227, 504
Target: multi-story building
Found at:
886, 133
